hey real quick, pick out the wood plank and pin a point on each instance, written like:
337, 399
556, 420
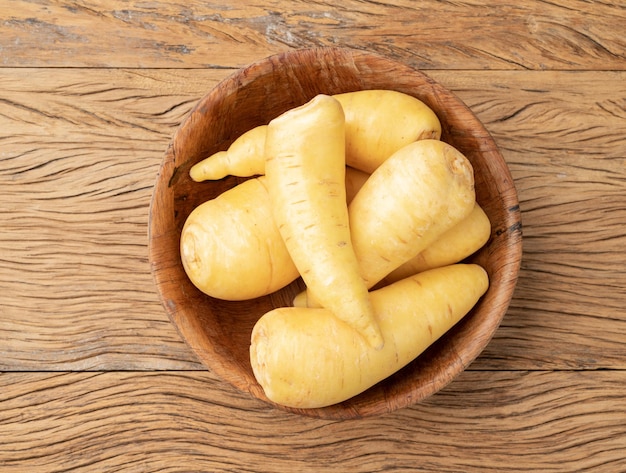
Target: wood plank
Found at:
80, 155
80, 149
188, 421
566, 34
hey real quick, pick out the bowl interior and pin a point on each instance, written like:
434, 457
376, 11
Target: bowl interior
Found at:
219, 331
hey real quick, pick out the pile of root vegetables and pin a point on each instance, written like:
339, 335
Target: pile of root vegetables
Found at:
357, 194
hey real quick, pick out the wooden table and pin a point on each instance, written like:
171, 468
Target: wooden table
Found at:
95, 377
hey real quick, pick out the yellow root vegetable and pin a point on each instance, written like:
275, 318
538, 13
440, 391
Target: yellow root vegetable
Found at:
377, 123
415, 196
305, 170
308, 358
264, 270
459, 242
244, 158
380, 122
231, 248
410, 201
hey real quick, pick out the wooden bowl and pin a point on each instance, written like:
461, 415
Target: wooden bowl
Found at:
219, 331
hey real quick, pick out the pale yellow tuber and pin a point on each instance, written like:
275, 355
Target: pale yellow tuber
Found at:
308, 358
305, 170
380, 122
459, 242
377, 123
231, 248
415, 196
244, 158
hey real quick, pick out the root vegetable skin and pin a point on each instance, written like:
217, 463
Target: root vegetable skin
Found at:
231, 248
308, 358
406, 207
461, 241
456, 244
415, 196
241, 224
244, 158
377, 123
305, 170
380, 122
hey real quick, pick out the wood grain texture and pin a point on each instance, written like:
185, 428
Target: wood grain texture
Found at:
78, 164
90, 94
566, 34
81, 148
189, 421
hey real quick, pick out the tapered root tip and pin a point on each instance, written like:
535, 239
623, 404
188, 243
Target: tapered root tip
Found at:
374, 338
211, 168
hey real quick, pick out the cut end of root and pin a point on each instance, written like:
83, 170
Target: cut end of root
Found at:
458, 163
188, 247
258, 349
